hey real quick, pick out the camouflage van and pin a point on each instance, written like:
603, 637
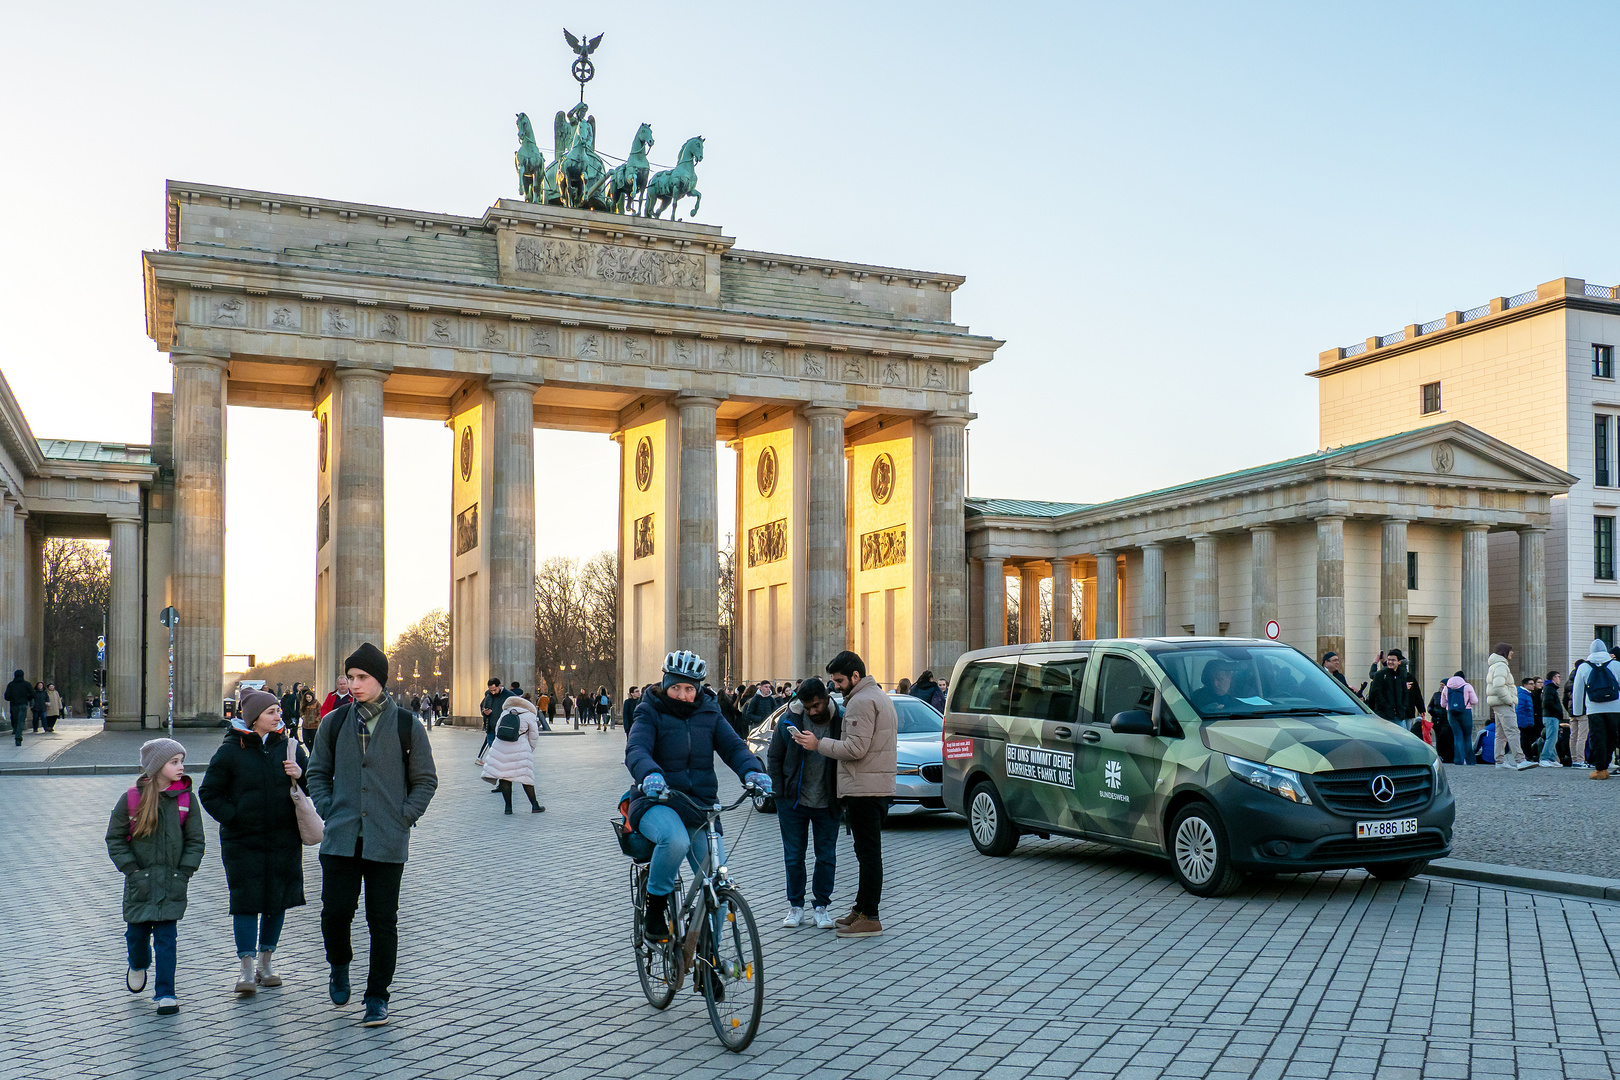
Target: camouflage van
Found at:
1226, 756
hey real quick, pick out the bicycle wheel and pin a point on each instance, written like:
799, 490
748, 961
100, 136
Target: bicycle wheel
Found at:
656, 964
733, 971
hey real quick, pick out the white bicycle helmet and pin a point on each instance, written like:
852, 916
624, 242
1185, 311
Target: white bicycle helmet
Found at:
686, 667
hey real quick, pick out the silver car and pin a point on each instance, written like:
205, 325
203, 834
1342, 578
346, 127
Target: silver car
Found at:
920, 764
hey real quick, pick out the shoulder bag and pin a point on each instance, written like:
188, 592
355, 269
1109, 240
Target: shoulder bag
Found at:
311, 829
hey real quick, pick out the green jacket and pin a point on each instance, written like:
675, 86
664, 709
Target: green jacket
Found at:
157, 868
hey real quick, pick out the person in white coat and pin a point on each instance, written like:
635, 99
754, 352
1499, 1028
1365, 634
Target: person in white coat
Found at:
1596, 695
510, 761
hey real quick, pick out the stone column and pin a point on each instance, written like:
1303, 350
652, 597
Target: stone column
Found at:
1532, 644
1392, 586
17, 582
34, 594
1206, 586
1476, 603
697, 587
357, 510
511, 532
197, 580
1062, 600
1263, 580
1330, 587
995, 603
976, 603
1153, 590
947, 543
1107, 595
9, 660
1029, 605
826, 578
124, 623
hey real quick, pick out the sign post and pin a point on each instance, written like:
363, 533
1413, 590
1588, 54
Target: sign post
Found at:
170, 618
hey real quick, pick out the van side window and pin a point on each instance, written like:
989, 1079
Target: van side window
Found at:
1122, 685
985, 687
1048, 687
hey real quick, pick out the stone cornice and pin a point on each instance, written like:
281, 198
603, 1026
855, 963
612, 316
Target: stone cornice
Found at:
180, 191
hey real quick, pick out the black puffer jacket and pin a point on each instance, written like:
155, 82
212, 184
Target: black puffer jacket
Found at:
249, 793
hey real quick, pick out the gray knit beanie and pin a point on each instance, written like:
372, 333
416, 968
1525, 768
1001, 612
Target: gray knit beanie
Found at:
156, 754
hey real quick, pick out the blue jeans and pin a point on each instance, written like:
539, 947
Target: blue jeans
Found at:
141, 937
672, 840
257, 933
1549, 740
797, 823
1462, 736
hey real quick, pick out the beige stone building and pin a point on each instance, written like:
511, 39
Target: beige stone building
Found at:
1535, 370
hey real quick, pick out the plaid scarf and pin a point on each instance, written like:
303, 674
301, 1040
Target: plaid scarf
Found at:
364, 713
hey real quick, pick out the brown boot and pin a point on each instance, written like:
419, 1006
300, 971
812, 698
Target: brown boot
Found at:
844, 921
1599, 774
861, 927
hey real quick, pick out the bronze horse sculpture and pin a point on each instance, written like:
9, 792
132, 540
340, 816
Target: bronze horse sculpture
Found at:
530, 162
628, 182
669, 187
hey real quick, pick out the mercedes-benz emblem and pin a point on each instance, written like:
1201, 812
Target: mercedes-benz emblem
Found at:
1383, 788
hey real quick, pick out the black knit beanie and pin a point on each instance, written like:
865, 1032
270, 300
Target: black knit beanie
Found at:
369, 659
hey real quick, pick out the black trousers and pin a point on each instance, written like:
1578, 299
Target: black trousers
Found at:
19, 721
1605, 736
864, 814
341, 878
505, 788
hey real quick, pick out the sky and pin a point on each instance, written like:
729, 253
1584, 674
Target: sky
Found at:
1165, 210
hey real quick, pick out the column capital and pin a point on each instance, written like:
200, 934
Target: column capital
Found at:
343, 373
223, 363
696, 399
123, 517
1475, 526
1065, 560
1532, 529
1195, 537
502, 383
934, 420
1262, 528
819, 409
1330, 518
1393, 519
1156, 545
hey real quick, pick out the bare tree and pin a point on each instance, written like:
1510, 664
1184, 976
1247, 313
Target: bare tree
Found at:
78, 586
599, 602
729, 644
420, 650
558, 621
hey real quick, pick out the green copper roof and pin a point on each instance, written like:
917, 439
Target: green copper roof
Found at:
102, 452
1021, 507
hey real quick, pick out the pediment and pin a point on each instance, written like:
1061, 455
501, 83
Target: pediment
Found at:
1450, 453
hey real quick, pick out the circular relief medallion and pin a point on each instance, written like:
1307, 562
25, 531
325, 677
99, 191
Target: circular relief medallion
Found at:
644, 463
466, 453
765, 473
1444, 458
882, 478
324, 440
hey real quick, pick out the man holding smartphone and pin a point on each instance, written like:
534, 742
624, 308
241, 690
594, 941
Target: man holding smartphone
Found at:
806, 786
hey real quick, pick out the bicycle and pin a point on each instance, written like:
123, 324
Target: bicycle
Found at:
712, 934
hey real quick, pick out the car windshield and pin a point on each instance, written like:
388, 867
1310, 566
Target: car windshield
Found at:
1225, 682
917, 717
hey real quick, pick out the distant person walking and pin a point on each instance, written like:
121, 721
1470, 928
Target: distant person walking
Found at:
37, 707
308, 721
490, 707
155, 838
1502, 698
1596, 695
510, 758
53, 707
371, 777
1552, 719
248, 790
19, 695
338, 697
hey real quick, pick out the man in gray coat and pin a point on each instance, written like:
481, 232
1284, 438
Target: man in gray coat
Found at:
371, 777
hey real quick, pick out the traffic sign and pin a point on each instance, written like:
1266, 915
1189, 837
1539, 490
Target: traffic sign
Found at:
168, 616
1273, 630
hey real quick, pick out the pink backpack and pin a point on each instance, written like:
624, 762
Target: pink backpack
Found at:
132, 802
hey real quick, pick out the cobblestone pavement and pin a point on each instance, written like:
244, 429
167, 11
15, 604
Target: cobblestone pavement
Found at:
40, 746
1063, 960
1546, 819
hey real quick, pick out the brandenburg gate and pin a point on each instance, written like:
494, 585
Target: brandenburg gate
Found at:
844, 388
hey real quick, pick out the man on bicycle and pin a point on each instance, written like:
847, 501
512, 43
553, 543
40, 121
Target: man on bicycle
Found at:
677, 731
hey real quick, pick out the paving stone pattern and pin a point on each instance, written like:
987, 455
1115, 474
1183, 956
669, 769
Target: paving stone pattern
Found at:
1546, 819
1064, 960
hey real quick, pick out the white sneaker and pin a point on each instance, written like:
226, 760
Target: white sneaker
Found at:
135, 980
824, 921
1525, 765
1552, 764
167, 1006
794, 917
1504, 764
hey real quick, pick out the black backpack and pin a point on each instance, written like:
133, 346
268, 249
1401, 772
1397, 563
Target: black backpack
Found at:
509, 726
1601, 684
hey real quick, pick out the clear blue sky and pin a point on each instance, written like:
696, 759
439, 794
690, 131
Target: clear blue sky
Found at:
1166, 211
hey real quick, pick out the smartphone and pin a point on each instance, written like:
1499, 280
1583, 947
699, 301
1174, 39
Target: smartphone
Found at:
791, 730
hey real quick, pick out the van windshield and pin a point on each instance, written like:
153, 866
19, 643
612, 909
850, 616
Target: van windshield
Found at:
1231, 681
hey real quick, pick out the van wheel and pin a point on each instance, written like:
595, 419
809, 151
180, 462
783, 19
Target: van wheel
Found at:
992, 831
1199, 853
1397, 871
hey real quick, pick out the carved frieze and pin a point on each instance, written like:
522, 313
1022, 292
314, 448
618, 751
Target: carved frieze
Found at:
229, 311
884, 547
542, 339
815, 365
336, 320
643, 544
467, 530
545, 256
767, 543
682, 353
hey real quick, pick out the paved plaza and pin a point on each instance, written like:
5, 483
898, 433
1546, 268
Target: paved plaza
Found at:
1064, 960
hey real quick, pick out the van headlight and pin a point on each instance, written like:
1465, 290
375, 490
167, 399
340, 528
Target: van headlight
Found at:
1277, 781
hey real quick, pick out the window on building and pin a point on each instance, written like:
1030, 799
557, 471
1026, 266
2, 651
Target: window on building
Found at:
1431, 398
1603, 548
1603, 361
1411, 570
1604, 632
1603, 475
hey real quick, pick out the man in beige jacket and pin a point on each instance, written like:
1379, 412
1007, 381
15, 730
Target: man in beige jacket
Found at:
865, 753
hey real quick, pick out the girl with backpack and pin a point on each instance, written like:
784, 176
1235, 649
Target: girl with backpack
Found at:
155, 838
510, 757
1459, 701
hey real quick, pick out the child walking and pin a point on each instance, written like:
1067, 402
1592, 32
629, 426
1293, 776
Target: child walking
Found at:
155, 837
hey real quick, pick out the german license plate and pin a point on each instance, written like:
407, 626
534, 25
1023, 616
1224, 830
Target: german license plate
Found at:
1378, 830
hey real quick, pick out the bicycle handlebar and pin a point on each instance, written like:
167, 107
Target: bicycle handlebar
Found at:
749, 791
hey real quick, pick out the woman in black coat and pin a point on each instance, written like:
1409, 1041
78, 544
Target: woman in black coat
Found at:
248, 790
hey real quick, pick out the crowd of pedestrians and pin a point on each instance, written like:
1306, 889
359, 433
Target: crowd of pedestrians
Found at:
37, 702
1533, 720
